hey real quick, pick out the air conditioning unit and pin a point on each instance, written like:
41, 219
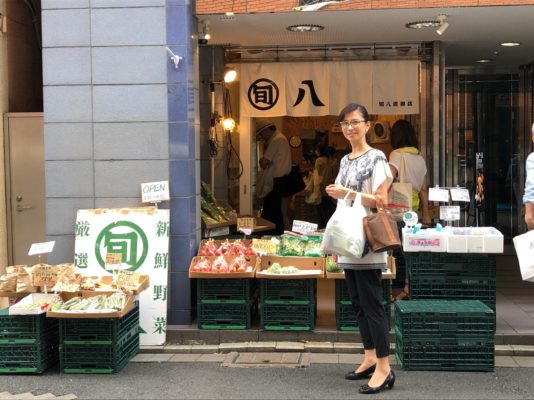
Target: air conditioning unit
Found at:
379, 132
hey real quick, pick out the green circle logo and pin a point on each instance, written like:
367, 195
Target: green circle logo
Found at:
122, 237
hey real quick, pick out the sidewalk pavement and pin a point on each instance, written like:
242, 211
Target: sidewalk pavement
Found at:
297, 354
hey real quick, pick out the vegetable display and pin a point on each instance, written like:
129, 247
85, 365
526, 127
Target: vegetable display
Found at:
331, 265
225, 248
211, 211
307, 246
91, 304
276, 268
222, 265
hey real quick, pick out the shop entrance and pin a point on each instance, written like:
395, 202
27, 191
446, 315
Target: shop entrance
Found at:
482, 147
25, 185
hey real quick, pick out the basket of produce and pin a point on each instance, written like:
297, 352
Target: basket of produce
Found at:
223, 267
278, 267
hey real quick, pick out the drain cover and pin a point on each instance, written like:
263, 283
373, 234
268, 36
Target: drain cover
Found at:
267, 360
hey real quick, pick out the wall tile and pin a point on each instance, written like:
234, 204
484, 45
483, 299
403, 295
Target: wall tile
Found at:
177, 102
67, 103
182, 177
63, 249
48, 4
67, 66
130, 65
128, 26
126, 3
61, 214
182, 248
118, 202
139, 140
123, 103
69, 178
178, 26
123, 178
180, 295
181, 140
64, 28
68, 141
183, 215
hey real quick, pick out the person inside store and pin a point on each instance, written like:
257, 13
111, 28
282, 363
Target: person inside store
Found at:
405, 146
528, 196
365, 170
275, 164
323, 170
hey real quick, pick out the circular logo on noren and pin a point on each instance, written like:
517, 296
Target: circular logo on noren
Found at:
263, 94
122, 237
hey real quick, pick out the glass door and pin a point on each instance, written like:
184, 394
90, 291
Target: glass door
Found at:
483, 154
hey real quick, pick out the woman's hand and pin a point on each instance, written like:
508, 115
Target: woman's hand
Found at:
337, 191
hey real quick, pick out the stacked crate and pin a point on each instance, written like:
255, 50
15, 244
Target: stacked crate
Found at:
445, 335
98, 345
288, 304
345, 315
455, 276
225, 303
28, 343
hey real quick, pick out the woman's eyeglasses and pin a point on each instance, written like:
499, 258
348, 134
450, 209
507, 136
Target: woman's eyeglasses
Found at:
350, 124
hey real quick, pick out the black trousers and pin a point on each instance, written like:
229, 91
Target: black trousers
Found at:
365, 290
272, 205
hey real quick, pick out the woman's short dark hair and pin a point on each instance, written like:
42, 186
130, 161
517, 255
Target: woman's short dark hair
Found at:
403, 135
353, 107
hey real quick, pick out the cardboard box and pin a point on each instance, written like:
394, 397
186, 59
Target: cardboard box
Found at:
312, 267
424, 240
143, 284
457, 240
252, 260
128, 306
31, 299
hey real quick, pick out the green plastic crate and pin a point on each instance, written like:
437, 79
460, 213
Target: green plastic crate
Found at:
444, 318
346, 317
225, 289
301, 290
479, 356
25, 329
225, 314
287, 317
450, 264
85, 357
98, 330
437, 287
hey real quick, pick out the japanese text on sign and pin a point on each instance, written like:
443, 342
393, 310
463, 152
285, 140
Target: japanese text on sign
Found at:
41, 248
262, 246
44, 275
246, 224
154, 192
449, 213
438, 194
303, 227
113, 259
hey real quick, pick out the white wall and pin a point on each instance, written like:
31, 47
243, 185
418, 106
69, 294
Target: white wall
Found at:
3, 109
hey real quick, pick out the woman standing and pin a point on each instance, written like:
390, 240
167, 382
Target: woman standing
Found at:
405, 149
365, 170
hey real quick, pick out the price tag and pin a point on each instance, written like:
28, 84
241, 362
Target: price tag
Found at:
44, 275
460, 194
127, 279
41, 248
304, 227
113, 260
449, 213
154, 192
262, 246
246, 224
224, 230
438, 194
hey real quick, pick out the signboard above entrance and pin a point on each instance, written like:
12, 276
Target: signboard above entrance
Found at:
323, 88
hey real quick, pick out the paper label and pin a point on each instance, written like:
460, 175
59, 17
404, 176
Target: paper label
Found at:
262, 246
224, 230
41, 248
154, 192
460, 194
113, 260
438, 194
304, 227
44, 275
246, 224
449, 213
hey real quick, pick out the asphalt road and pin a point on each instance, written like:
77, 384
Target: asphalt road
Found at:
319, 381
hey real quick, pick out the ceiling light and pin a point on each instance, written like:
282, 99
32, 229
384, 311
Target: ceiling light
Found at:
229, 74
422, 24
229, 13
443, 24
484, 60
305, 28
510, 44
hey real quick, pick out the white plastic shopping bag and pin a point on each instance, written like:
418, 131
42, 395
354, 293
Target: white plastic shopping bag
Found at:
524, 248
344, 234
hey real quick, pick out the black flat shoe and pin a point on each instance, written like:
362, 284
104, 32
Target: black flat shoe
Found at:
388, 383
354, 376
